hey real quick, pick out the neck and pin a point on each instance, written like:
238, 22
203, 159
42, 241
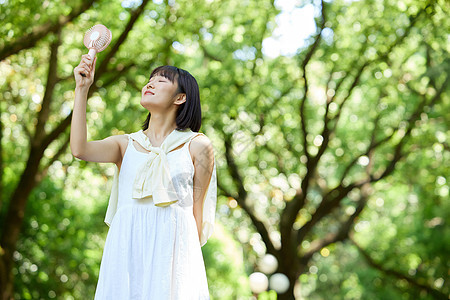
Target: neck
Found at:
158, 128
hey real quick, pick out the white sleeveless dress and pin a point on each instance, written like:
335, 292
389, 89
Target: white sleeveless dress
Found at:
153, 252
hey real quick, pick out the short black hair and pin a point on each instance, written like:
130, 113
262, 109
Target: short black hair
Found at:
189, 114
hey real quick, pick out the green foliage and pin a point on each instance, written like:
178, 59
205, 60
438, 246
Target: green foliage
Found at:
61, 246
224, 263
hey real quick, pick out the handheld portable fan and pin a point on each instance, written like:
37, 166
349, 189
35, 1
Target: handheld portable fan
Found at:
96, 39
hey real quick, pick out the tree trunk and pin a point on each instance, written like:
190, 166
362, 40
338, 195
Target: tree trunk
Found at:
14, 219
289, 294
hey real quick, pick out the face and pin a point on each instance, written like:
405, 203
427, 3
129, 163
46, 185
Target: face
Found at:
159, 92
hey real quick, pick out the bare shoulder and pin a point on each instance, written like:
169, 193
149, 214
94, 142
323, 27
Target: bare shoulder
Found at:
122, 140
201, 142
202, 148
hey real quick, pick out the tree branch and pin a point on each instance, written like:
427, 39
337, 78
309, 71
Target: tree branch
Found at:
40, 31
330, 201
346, 226
119, 71
123, 36
397, 274
1, 163
288, 215
305, 62
372, 145
411, 125
207, 53
242, 196
55, 157
381, 57
343, 232
44, 113
326, 206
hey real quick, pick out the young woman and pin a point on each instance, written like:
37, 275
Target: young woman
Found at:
162, 204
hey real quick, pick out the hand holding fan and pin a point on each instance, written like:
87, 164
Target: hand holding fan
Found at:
96, 39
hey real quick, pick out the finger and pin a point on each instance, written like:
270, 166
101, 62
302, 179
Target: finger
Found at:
90, 61
87, 56
87, 61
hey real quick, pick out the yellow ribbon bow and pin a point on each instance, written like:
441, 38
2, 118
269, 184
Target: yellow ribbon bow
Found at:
153, 178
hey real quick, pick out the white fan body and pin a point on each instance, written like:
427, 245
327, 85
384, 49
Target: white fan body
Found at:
96, 39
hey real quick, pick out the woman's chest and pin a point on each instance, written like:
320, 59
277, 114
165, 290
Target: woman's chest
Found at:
181, 158
179, 161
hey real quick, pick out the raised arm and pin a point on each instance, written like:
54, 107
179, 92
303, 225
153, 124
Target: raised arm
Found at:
106, 150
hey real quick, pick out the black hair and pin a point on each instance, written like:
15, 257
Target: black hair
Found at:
189, 114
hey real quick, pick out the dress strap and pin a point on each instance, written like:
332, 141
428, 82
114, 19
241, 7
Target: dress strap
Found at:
130, 139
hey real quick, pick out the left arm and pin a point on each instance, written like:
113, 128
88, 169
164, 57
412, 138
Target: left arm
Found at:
203, 152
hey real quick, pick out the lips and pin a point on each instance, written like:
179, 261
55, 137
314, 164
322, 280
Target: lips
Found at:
148, 92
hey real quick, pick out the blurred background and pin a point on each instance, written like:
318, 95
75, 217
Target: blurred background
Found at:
329, 121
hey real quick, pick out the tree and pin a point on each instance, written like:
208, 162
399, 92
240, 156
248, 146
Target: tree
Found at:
305, 144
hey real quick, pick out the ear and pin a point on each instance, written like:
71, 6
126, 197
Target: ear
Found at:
180, 99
